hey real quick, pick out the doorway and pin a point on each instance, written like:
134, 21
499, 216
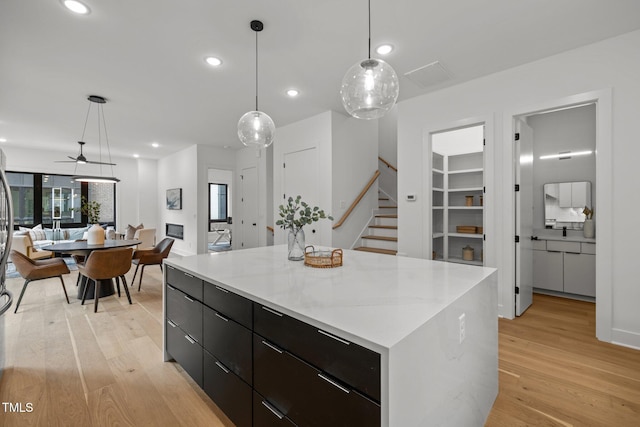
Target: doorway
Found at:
555, 182
220, 213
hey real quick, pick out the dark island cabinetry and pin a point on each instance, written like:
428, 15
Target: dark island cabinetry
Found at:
263, 367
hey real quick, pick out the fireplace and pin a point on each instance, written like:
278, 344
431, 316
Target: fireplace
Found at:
175, 230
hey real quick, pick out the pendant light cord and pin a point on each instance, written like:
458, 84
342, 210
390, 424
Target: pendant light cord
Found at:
369, 29
257, 71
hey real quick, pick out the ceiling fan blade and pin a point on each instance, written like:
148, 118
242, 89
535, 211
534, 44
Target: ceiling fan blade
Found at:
75, 159
64, 161
101, 163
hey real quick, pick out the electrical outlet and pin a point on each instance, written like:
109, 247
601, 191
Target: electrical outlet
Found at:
462, 327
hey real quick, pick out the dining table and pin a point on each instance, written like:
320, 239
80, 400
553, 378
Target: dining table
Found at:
83, 247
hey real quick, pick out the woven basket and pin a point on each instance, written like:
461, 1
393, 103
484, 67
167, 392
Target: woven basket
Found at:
322, 259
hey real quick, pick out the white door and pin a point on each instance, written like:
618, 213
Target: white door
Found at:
524, 216
249, 202
300, 177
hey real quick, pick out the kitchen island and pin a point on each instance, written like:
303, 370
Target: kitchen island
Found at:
382, 340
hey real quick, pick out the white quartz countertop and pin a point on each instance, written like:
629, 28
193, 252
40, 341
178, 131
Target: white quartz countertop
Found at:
373, 299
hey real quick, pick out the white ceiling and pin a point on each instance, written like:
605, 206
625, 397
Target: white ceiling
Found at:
147, 58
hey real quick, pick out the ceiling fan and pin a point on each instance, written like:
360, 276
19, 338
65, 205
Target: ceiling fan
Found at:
81, 159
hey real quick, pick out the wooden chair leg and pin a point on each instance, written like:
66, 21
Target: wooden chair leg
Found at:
64, 289
24, 288
141, 274
134, 274
96, 295
126, 288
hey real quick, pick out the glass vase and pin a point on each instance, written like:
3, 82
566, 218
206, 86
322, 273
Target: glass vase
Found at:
295, 242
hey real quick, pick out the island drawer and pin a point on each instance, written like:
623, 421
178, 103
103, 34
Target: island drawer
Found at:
229, 342
186, 282
228, 391
350, 362
185, 312
306, 395
231, 305
267, 415
185, 350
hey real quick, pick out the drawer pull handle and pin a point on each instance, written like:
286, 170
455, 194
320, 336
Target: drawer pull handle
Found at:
170, 268
221, 366
173, 325
191, 340
273, 410
222, 289
188, 299
171, 287
334, 337
333, 383
188, 275
272, 347
272, 311
221, 316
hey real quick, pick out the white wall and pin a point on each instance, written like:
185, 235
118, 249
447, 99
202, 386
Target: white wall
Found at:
148, 203
388, 150
137, 179
354, 159
459, 141
314, 132
178, 171
566, 130
612, 63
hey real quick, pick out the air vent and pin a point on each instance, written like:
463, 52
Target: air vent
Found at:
429, 75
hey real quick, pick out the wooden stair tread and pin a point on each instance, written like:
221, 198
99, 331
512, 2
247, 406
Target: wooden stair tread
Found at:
387, 216
383, 198
386, 227
376, 250
387, 207
385, 238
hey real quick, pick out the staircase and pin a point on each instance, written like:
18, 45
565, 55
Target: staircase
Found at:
382, 233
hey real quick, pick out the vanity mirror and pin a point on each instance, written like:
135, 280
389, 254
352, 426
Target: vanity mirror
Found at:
564, 202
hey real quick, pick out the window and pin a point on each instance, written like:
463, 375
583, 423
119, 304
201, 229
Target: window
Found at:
218, 203
47, 198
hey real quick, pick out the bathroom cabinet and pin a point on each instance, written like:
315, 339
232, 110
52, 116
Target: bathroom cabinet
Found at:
565, 266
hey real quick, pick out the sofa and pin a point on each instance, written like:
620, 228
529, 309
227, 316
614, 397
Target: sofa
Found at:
29, 241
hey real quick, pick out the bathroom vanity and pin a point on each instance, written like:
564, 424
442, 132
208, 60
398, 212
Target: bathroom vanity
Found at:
379, 341
565, 265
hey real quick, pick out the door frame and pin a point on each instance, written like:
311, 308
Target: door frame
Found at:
490, 251
604, 183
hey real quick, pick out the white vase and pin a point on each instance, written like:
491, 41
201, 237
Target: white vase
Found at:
588, 229
95, 235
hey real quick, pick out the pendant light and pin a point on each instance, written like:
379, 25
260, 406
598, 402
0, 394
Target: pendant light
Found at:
102, 125
369, 88
255, 128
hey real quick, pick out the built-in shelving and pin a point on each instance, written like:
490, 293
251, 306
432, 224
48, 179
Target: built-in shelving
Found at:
457, 200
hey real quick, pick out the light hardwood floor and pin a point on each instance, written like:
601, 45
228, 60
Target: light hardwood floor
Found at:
79, 368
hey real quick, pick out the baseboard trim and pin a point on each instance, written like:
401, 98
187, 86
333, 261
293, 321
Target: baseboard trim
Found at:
625, 338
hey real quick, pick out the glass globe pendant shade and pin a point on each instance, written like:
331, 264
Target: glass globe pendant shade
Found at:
369, 89
256, 129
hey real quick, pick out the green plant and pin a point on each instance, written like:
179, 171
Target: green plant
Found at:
588, 213
91, 209
297, 213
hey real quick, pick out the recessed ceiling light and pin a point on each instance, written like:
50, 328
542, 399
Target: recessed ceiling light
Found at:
76, 7
384, 49
155, 145
293, 93
136, 155
213, 61
3, 139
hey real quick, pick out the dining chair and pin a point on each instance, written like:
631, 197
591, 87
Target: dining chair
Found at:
152, 256
79, 257
106, 264
32, 270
